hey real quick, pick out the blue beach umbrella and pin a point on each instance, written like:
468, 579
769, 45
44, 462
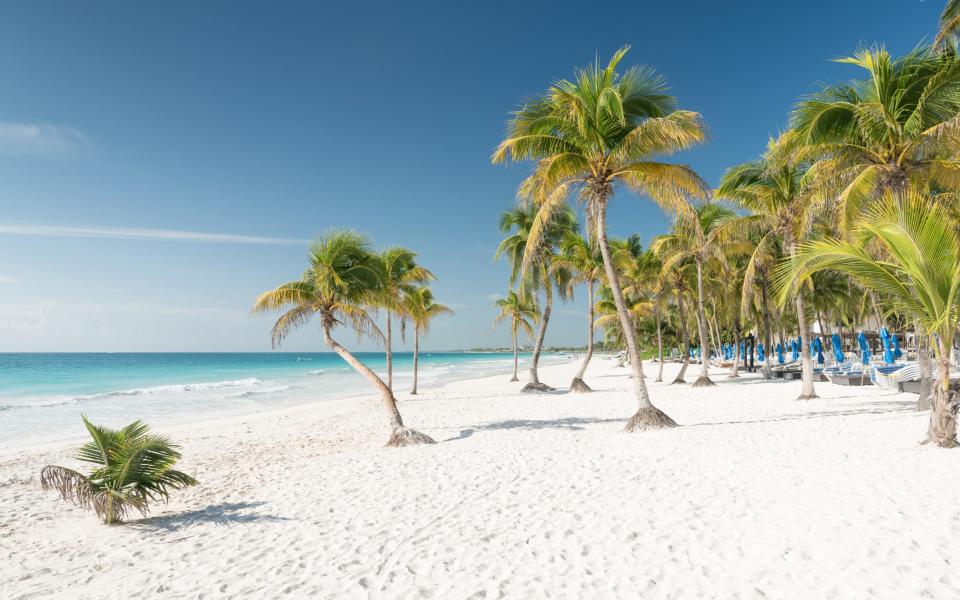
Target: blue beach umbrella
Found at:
864, 348
794, 349
817, 347
743, 351
885, 342
779, 353
897, 353
837, 347
760, 355
699, 354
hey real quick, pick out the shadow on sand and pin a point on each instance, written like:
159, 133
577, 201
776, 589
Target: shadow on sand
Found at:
226, 513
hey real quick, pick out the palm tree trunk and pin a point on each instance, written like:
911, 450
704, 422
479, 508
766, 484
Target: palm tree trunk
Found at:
735, 370
925, 401
943, 417
515, 361
647, 416
535, 385
416, 357
400, 435
686, 339
704, 378
767, 330
389, 352
656, 316
578, 385
806, 391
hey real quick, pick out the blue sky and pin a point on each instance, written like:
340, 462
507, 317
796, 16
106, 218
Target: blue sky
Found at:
125, 124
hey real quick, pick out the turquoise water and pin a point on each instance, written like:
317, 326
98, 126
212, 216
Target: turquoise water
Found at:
43, 395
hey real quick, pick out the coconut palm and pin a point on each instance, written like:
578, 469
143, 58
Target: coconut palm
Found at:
420, 308
949, 26
780, 216
342, 281
522, 313
591, 134
919, 276
400, 274
643, 275
897, 127
133, 469
696, 236
539, 274
581, 258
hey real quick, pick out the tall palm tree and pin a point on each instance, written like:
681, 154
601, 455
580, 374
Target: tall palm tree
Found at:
949, 26
897, 127
400, 274
920, 276
780, 214
420, 307
342, 281
677, 275
581, 258
591, 134
695, 236
643, 276
539, 274
522, 313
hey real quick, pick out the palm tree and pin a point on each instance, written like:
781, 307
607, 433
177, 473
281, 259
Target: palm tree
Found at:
133, 469
522, 313
643, 275
780, 213
581, 258
343, 279
400, 274
696, 236
949, 26
540, 272
897, 127
920, 276
589, 135
420, 308
676, 275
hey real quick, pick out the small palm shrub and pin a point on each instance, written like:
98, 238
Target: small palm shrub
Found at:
133, 468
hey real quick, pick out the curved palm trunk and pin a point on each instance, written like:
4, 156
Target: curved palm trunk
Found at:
400, 434
647, 416
767, 331
686, 339
515, 361
389, 349
943, 415
704, 378
535, 385
656, 316
806, 392
416, 358
578, 385
735, 370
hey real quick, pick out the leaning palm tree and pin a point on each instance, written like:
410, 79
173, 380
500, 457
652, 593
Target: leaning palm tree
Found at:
780, 215
582, 259
343, 279
696, 236
897, 127
589, 135
133, 469
522, 313
400, 274
920, 277
420, 308
540, 273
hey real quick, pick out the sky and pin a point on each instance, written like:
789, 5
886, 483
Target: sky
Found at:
163, 163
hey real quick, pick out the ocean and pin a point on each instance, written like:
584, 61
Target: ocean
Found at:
43, 395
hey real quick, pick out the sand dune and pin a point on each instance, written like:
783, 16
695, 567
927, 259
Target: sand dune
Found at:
527, 496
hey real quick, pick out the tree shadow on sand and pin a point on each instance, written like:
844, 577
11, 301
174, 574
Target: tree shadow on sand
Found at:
226, 513
867, 408
570, 423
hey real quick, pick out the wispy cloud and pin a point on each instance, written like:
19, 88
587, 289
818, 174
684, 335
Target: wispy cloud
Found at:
39, 139
8, 279
127, 233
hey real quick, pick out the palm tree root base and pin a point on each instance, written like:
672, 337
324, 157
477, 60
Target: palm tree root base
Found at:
408, 437
807, 397
733, 375
537, 387
512, 379
943, 418
579, 386
648, 418
703, 381
924, 404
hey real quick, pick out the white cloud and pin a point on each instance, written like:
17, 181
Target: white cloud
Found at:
7, 279
39, 139
143, 234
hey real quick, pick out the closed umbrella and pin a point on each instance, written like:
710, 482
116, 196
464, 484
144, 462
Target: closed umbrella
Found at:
864, 348
897, 353
794, 349
885, 342
817, 346
837, 347
779, 353
760, 355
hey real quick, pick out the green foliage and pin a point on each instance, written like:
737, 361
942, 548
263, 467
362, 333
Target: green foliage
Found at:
133, 468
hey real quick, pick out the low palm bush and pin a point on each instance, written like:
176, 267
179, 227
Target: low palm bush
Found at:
133, 468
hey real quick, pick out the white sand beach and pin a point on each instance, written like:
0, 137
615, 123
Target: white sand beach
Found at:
526, 496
